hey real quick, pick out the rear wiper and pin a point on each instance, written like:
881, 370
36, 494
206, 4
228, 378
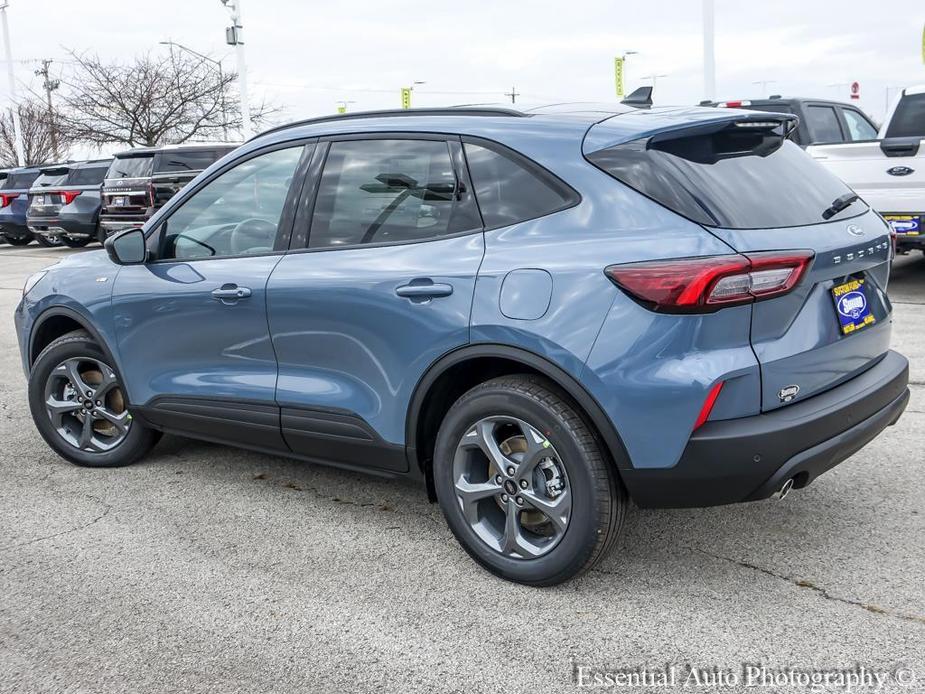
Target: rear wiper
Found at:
840, 203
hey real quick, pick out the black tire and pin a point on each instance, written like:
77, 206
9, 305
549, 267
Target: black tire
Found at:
18, 240
71, 242
138, 439
598, 500
47, 242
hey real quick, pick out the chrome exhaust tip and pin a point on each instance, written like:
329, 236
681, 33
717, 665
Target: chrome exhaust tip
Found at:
784, 490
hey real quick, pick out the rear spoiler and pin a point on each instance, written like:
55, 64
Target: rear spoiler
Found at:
55, 170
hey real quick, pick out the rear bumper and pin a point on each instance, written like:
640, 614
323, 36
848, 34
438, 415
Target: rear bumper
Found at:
750, 458
58, 226
110, 225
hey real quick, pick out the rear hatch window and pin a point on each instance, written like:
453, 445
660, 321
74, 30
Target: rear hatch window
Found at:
86, 176
50, 179
909, 118
131, 167
197, 160
736, 175
20, 181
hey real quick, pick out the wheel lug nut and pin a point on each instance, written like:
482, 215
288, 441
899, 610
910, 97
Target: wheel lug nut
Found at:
498, 479
523, 484
510, 470
504, 497
89, 393
520, 501
99, 403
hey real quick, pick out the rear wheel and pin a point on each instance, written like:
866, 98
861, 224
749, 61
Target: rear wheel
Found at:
73, 242
18, 240
523, 483
79, 407
48, 241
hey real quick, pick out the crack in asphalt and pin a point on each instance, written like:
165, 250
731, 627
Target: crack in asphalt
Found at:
802, 583
107, 509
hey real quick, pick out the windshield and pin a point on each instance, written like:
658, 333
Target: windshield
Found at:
909, 118
131, 167
738, 180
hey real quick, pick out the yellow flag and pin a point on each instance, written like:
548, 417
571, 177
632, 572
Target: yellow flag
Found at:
406, 97
618, 75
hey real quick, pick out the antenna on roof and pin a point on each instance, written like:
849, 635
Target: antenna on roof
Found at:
640, 98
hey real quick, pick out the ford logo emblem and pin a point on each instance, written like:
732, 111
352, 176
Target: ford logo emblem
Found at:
855, 230
788, 393
900, 171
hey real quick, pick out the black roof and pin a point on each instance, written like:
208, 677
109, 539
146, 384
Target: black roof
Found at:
186, 147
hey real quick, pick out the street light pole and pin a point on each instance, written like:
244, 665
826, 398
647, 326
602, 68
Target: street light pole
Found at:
221, 81
14, 107
764, 86
233, 37
654, 79
709, 57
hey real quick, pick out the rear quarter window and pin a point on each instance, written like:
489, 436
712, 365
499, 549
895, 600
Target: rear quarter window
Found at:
510, 188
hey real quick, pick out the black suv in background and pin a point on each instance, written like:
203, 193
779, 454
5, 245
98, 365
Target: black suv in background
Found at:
821, 121
141, 180
69, 211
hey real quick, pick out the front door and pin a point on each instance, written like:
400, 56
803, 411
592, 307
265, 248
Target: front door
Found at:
380, 288
191, 324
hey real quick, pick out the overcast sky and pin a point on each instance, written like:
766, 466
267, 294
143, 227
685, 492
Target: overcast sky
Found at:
306, 55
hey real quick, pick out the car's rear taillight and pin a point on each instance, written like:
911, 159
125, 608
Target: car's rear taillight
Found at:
7, 199
703, 285
67, 196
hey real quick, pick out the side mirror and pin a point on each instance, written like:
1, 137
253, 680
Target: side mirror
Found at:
127, 247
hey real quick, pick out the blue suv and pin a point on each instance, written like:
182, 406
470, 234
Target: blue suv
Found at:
540, 315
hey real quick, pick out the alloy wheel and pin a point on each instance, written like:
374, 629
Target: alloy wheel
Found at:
512, 487
86, 406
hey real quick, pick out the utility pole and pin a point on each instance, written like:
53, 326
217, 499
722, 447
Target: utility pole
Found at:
233, 38
14, 99
654, 79
221, 80
50, 85
513, 94
709, 57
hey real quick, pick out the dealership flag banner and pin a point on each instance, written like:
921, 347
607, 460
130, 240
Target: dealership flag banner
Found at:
618, 75
406, 97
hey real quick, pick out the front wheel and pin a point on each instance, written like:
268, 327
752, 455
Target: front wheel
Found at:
524, 484
79, 407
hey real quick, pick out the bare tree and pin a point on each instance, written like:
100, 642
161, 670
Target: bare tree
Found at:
154, 100
37, 135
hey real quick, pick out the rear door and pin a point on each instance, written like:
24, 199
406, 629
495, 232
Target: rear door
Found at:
377, 286
758, 192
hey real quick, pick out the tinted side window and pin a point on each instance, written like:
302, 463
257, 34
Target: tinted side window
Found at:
859, 128
509, 189
380, 191
235, 214
88, 176
195, 160
909, 118
823, 124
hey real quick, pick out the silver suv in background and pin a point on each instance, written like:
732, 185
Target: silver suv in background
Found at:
68, 211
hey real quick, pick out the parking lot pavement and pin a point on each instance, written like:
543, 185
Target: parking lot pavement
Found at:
205, 568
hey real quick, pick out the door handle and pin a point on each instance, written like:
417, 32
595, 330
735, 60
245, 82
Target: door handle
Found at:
230, 292
424, 290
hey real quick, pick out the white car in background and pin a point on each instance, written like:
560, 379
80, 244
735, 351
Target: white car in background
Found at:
889, 172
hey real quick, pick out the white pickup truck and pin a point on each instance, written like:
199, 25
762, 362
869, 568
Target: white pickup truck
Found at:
889, 172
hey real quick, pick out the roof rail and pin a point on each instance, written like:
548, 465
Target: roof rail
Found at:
388, 113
